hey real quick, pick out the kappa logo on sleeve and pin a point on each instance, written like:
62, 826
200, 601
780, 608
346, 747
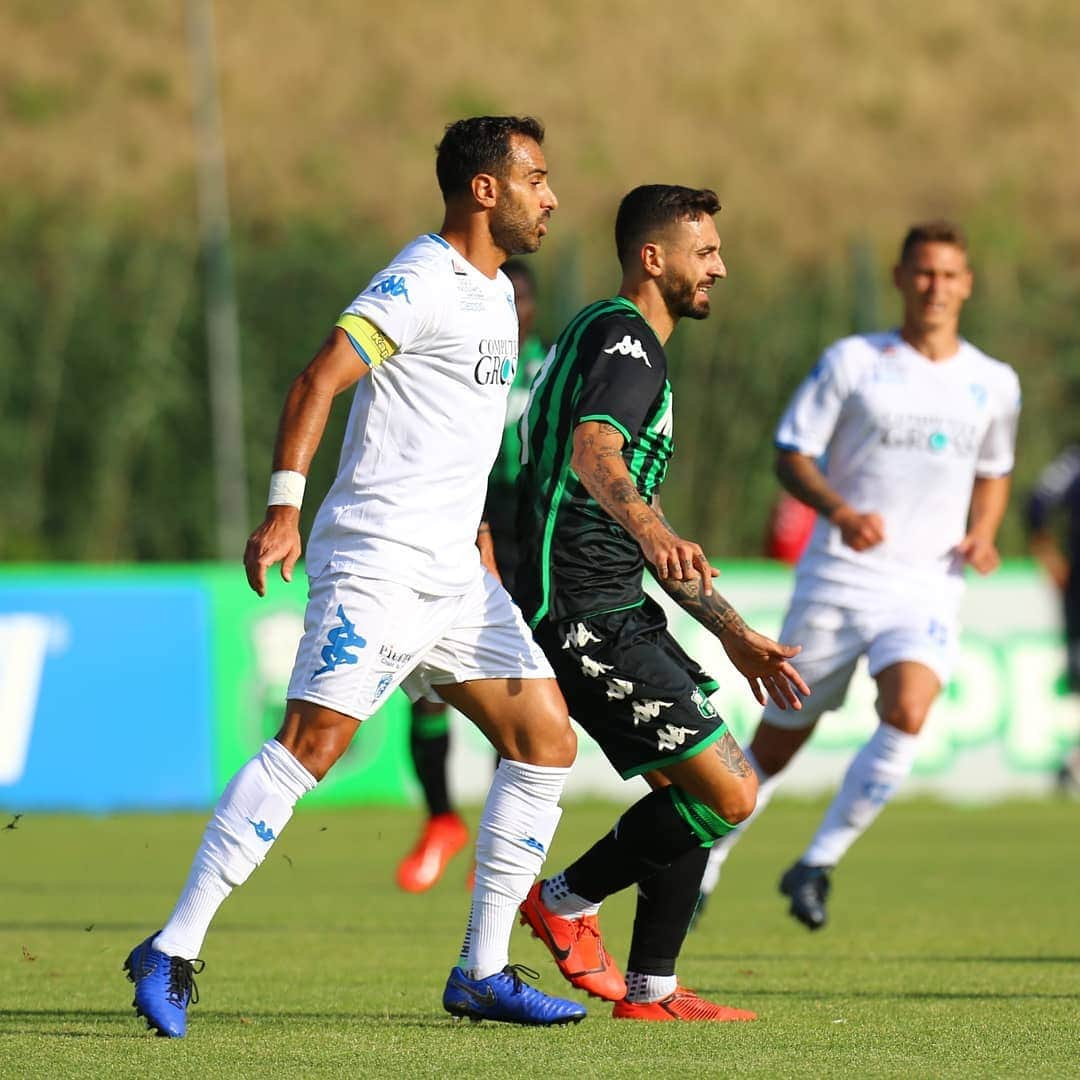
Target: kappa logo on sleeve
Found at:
393, 286
629, 347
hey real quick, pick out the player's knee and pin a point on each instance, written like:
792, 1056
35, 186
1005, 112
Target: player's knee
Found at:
543, 739
736, 803
710, 820
316, 741
905, 715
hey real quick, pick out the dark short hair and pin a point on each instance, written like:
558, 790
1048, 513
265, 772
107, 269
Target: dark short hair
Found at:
651, 209
933, 232
480, 144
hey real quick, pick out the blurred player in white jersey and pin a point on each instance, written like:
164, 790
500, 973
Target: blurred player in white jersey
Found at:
918, 428
398, 595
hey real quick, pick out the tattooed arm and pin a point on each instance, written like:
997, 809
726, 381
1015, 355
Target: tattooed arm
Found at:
764, 663
801, 476
598, 462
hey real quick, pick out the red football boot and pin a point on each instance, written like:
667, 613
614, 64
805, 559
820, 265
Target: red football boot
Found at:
443, 837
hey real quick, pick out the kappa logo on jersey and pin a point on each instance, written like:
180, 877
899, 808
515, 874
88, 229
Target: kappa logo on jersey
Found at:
580, 636
630, 347
644, 711
671, 737
978, 394
394, 286
340, 640
618, 689
593, 668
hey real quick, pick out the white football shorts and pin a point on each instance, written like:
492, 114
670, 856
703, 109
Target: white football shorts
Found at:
363, 637
833, 638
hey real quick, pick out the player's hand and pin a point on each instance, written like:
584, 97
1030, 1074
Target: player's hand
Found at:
859, 531
277, 539
979, 553
678, 559
766, 666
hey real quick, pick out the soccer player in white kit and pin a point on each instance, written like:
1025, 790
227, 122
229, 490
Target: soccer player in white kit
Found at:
398, 595
917, 430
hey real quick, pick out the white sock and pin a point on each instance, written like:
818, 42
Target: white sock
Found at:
512, 841
720, 851
248, 818
873, 777
641, 988
557, 897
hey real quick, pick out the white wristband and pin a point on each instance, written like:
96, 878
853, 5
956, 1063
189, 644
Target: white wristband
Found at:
286, 488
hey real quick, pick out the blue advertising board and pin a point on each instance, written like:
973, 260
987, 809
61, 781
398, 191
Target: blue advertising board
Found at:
105, 691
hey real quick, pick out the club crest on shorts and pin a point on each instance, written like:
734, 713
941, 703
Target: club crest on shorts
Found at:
704, 705
339, 641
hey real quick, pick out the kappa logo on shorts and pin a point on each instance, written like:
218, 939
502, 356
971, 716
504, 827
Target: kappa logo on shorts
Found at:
340, 640
580, 636
618, 689
644, 711
593, 668
671, 737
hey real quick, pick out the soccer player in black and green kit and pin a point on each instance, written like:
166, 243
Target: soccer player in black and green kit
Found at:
598, 438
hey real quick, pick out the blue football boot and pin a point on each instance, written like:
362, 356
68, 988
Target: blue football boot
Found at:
503, 996
164, 987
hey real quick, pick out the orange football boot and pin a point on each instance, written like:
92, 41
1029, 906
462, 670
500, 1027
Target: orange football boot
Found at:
682, 1004
576, 946
443, 837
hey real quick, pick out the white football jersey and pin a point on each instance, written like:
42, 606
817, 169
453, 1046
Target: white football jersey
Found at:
425, 425
903, 436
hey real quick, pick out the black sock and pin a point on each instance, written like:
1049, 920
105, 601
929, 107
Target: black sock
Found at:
429, 760
647, 838
665, 905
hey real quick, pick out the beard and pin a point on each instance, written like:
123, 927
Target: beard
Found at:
681, 300
513, 231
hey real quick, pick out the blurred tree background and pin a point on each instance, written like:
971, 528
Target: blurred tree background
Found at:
825, 128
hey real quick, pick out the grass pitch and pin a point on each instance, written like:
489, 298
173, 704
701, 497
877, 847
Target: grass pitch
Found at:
953, 950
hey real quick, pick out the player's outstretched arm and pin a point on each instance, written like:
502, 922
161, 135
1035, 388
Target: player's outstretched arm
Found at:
764, 663
335, 367
989, 499
800, 475
598, 462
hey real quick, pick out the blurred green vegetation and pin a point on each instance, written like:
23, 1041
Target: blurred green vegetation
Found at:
105, 445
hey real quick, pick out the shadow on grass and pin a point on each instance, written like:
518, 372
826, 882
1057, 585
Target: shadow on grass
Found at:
888, 995
47, 1021
914, 958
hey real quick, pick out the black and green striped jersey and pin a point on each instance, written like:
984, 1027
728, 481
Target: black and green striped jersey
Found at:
607, 365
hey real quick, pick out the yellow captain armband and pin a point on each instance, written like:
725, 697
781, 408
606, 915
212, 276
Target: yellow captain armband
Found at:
369, 341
